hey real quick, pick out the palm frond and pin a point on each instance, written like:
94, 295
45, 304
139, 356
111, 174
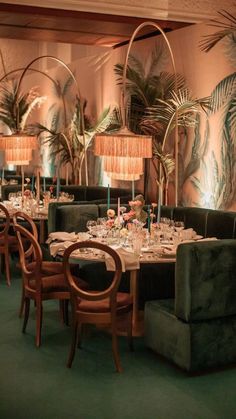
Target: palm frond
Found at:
223, 92
228, 28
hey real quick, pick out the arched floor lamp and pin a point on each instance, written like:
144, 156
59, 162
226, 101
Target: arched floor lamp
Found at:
20, 142
124, 143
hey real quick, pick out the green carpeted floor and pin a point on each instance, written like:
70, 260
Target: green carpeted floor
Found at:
35, 383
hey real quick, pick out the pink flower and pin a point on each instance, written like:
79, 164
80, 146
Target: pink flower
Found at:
111, 213
128, 215
110, 222
27, 193
136, 203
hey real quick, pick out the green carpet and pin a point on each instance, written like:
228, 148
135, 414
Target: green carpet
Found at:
35, 383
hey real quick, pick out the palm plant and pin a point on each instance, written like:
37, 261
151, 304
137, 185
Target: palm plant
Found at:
223, 98
15, 117
68, 140
145, 86
161, 119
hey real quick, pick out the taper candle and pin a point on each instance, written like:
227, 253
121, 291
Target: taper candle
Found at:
58, 186
149, 218
108, 196
132, 190
159, 205
118, 211
44, 184
32, 183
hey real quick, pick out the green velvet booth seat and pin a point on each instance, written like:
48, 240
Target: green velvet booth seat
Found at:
74, 217
197, 329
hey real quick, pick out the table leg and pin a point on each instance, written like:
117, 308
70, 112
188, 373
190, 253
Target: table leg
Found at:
138, 326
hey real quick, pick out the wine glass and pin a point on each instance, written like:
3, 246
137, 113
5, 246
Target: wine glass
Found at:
179, 226
91, 225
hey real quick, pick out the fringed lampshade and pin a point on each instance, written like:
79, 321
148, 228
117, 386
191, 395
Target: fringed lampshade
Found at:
18, 151
123, 143
18, 148
124, 165
122, 176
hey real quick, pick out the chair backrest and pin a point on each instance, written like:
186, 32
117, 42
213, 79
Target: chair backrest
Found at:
111, 291
4, 228
24, 219
205, 280
35, 270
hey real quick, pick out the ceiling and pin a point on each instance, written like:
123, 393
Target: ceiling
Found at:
57, 25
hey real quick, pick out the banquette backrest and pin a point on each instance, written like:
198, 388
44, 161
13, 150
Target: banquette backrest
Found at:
205, 280
206, 222
81, 193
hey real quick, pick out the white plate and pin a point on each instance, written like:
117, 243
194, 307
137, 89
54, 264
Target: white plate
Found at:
198, 237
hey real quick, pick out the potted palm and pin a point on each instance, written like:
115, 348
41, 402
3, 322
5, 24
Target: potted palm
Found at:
69, 134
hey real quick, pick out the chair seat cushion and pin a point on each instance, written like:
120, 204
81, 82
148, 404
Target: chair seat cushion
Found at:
12, 240
103, 306
48, 267
57, 283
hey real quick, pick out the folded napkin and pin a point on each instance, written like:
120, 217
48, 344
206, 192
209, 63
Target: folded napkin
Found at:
61, 236
57, 247
207, 239
129, 260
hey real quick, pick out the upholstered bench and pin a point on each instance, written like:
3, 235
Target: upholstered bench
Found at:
196, 329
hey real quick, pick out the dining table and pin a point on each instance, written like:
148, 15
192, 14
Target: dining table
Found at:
131, 262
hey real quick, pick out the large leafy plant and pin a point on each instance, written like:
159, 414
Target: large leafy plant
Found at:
70, 133
223, 98
180, 109
145, 85
16, 107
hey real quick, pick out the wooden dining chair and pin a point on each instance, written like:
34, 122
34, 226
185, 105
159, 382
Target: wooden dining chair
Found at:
8, 242
98, 307
39, 286
48, 267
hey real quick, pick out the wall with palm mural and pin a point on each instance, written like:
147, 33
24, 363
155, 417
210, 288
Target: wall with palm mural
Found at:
207, 160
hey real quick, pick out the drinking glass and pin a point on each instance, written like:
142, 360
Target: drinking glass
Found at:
91, 225
179, 226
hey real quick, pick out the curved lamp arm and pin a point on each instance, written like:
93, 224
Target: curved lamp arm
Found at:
124, 78
79, 95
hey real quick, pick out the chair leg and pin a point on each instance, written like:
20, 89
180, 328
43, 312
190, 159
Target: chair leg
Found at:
22, 303
7, 267
39, 315
129, 332
2, 263
26, 316
73, 343
64, 310
115, 347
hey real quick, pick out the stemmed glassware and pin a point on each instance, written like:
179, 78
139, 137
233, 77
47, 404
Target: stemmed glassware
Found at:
91, 225
179, 226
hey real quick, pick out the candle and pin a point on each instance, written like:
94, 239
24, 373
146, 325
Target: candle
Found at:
118, 211
67, 175
149, 219
132, 190
38, 186
58, 186
44, 184
2, 173
108, 196
159, 205
32, 184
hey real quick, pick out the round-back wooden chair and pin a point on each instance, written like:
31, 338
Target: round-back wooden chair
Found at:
8, 242
48, 267
37, 285
98, 307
